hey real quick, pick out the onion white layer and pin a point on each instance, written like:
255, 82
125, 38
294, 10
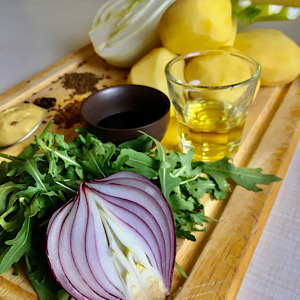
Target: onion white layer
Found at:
114, 240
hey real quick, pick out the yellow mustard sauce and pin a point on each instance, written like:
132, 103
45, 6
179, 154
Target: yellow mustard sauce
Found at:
18, 121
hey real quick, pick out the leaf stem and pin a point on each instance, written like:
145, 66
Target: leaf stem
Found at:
74, 163
5, 214
65, 186
181, 270
190, 179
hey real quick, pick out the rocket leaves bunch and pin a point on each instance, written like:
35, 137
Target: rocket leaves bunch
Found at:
46, 174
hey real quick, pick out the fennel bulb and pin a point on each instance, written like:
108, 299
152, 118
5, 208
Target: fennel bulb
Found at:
125, 30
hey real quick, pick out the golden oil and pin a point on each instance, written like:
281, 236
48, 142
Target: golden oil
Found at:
212, 128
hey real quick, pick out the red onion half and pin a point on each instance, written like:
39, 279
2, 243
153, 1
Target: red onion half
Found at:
114, 240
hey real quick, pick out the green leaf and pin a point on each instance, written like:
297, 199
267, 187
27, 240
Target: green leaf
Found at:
12, 221
143, 143
6, 189
28, 152
10, 157
201, 186
138, 159
30, 166
199, 218
63, 295
189, 168
245, 177
3, 172
129, 159
36, 205
178, 203
60, 142
167, 182
18, 247
90, 163
36, 270
68, 160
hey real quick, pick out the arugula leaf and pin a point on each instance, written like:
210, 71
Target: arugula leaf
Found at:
30, 166
189, 168
36, 270
63, 295
245, 177
92, 162
137, 161
18, 247
3, 172
167, 183
6, 189
203, 185
142, 144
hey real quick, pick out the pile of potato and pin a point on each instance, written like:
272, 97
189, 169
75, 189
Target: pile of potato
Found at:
194, 25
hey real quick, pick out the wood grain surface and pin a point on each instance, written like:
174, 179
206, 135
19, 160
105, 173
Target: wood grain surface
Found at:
217, 262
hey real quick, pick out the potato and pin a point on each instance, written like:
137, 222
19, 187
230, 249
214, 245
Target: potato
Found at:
218, 70
150, 70
192, 25
233, 33
278, 55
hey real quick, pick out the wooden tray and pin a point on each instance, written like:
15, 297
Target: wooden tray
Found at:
217, 262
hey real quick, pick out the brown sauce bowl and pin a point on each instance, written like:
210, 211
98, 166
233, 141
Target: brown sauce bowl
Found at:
117, 114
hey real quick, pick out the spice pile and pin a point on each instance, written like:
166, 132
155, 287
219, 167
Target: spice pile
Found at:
67, 115
81, 83
66, 112
45, 102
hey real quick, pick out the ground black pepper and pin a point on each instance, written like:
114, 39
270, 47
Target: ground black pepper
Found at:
45, 102
68, 116
81, 83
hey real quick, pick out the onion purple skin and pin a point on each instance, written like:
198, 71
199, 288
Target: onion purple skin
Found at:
115, 233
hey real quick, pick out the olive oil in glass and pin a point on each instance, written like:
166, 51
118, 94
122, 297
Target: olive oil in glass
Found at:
213, 129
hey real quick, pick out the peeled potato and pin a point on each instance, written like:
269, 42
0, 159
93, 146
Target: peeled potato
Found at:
150, 70
192, 25
230, 42
278, 55
218, 70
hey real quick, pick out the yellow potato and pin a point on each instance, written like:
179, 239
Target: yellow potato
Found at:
150, 70
230, 42
278, 55
218, 70
192, 25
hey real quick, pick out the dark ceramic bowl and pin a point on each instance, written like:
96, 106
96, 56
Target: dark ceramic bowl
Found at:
117, 113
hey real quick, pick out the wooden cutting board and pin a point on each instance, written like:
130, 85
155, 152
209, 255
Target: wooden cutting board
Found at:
217, 262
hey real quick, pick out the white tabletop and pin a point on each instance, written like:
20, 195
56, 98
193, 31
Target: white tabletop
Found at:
36, 33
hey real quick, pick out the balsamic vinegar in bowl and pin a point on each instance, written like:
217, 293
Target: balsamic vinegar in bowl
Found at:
126, 120
118, 114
